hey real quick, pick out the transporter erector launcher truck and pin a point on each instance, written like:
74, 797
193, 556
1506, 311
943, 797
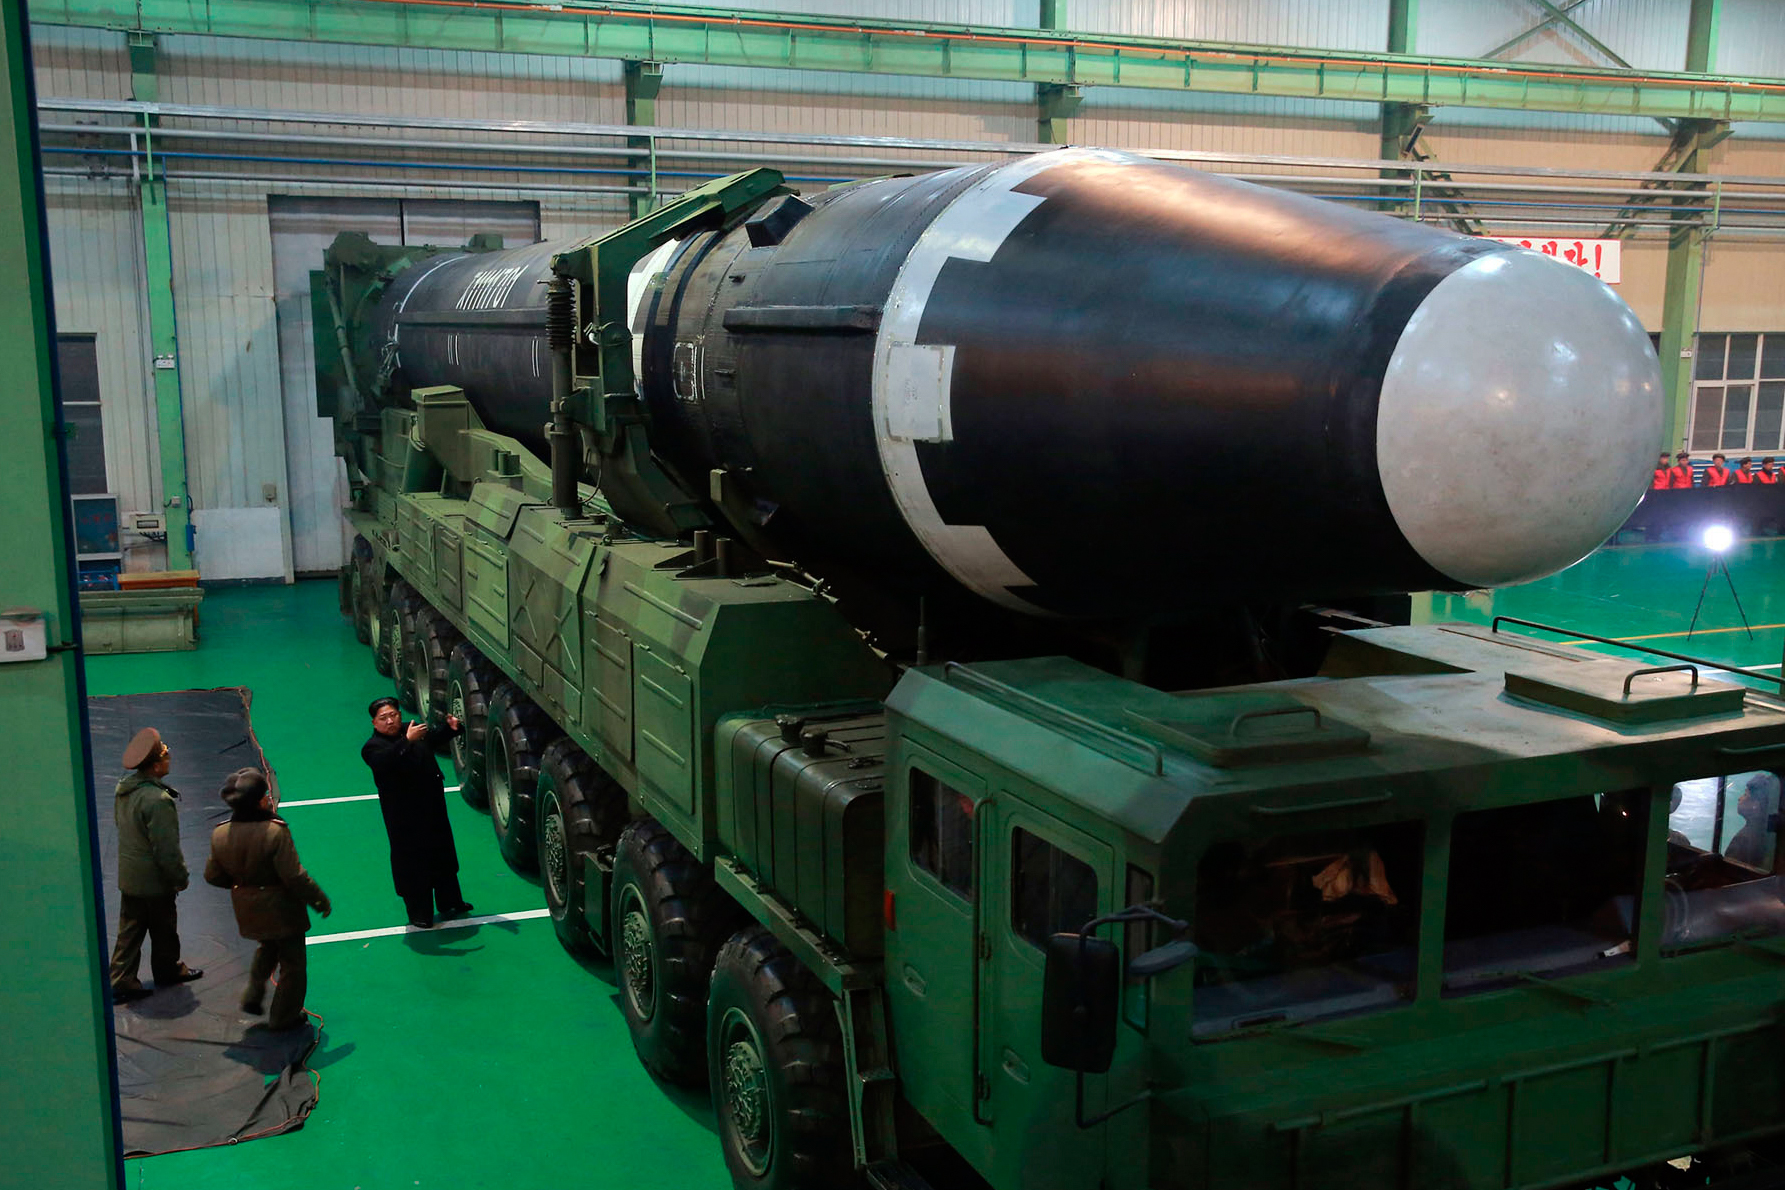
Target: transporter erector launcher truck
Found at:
888, 618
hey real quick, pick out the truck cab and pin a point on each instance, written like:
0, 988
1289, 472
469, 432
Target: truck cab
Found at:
1467, 909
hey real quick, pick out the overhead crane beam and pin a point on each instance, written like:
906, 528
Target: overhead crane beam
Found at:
727, 37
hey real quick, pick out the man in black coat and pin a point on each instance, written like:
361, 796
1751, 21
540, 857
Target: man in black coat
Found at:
412, 795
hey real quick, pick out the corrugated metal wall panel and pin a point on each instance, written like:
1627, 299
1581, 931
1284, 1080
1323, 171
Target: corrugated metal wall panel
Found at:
1752, 38
1633, 148
1228, 123
96, 269
91, 63
1744, 287
1333, 24
1007, 13
1649, 34
827, 103
229, 347
325, 77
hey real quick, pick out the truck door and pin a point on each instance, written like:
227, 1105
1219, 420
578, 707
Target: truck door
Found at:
931, 953
1037, 877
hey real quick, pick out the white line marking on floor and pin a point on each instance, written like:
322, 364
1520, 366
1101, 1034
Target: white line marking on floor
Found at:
443, 927
358, 797
329, 801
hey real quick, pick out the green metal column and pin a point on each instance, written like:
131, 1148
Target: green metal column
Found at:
1703, 28
1399, 120
1685, 245
164, 338
1679, 330
1054, 102
58, 1098
643, 81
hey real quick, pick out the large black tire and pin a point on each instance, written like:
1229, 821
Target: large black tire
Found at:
470, 680
775, 1061
354, 576
581, 812
668, 919
516, 739
345, 590
383, 618
400, 607
429, 650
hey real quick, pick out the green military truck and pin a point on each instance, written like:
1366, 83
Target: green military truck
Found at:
680, 520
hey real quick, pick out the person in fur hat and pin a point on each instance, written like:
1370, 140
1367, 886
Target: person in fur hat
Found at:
253, 856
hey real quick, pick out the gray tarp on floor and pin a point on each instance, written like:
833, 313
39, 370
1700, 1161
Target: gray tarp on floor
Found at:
193, 1071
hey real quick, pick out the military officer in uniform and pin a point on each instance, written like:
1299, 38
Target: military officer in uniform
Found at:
254, 857
151, 871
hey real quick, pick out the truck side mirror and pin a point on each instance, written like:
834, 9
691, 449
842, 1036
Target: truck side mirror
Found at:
1080, 999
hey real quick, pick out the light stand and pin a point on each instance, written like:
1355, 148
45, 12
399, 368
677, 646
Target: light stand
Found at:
1717, 539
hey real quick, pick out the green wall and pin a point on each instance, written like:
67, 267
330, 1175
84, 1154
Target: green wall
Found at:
58, 1103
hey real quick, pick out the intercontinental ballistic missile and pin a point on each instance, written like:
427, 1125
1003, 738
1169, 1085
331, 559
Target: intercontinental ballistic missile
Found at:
1088, 384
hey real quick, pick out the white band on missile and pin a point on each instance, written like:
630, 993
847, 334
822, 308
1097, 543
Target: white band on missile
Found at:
912, 381
639, 282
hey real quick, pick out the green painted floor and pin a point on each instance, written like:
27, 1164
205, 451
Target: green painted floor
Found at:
481, 1057
1646, 594
488, 1057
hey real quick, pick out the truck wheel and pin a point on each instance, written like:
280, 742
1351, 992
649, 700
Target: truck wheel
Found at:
378, 606
470, 680
775, 1059
354, 576
668, 918
435, 638
517, 735
582, 811
400, 606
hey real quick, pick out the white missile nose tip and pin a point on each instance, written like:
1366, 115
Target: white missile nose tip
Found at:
1520, 416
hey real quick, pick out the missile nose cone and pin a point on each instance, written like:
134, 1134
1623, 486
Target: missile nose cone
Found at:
1520, 414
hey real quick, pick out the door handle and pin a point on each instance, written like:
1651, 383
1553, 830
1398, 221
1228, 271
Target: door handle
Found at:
914, 981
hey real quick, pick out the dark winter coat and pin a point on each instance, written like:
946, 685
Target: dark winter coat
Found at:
412, 795
254, 857
149, 859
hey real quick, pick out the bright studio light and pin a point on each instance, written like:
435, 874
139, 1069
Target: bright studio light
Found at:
1718, 538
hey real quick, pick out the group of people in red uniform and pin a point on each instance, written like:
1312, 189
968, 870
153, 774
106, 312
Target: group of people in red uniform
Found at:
1717, 475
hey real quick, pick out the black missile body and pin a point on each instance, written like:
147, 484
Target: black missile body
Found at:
1088, 384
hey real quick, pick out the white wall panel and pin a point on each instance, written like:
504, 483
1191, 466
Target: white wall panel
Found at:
1010, 13
1329, 24
1648, 34
229, 351
1752, 38
92, 63
1744, 286
96, 270
1225, 123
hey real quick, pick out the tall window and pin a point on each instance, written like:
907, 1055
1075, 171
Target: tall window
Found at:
1296, 927
1051, 891
1543, 889
1738, 393
1722, 860
942, 832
